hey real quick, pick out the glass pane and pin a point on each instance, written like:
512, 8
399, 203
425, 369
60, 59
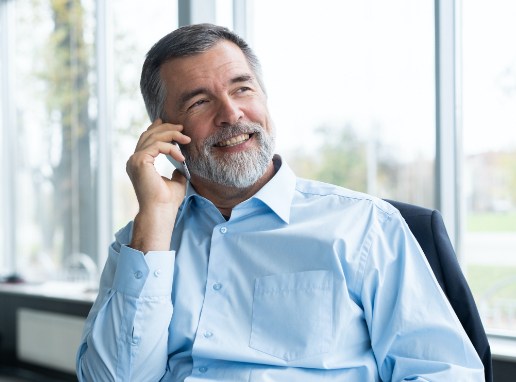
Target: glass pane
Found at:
55, 178
132, 39
489, 121
3, 258
224, 13
351, 90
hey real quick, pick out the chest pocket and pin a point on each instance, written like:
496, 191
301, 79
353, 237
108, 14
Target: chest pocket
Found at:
292, 314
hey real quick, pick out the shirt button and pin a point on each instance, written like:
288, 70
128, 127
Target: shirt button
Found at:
203, 369
138, 274
217, 286
157, 272
223, 230
208, 334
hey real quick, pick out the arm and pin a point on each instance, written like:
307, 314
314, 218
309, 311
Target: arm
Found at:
126, 333
414, 332
158, 198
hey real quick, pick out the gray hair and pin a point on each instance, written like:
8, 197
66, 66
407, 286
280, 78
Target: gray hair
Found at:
185, 41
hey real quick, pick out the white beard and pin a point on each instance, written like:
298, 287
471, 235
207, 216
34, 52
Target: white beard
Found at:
239, 170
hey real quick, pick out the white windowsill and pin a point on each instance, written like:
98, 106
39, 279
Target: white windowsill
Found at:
62, 290
503, 346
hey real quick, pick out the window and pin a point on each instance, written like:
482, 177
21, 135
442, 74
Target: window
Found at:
365, 119
489, 118
78, 59
132, 38
54, 125
351, 90
3, 168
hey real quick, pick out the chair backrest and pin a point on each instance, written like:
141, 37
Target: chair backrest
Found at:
429, 230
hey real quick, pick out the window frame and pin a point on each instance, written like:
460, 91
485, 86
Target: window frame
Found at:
448, 123
8, 115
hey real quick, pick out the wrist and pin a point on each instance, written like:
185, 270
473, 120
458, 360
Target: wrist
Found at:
152, 229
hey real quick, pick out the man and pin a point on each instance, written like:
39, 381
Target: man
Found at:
256, 275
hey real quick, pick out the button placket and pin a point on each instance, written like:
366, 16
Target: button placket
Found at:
207, 338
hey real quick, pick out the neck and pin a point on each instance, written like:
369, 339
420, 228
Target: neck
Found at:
226, 198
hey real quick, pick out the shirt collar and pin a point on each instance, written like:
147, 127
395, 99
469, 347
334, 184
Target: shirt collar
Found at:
277, 194
190, 194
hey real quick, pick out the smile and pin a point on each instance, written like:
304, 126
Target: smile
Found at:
234, 141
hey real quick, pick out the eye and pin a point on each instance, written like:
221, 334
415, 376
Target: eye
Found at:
197, 103
244, 89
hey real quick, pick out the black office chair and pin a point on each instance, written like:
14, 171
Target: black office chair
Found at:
428, 227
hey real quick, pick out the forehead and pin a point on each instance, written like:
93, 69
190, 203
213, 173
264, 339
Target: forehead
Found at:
218, 64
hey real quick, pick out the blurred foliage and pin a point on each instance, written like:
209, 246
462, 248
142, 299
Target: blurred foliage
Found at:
491, 222
344, 158
340, 159
484, 279
67, 78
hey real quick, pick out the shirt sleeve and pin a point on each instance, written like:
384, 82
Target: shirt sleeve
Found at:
415, 334
127, 326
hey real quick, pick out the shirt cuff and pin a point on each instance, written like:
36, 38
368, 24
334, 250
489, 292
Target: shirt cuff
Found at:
140, 275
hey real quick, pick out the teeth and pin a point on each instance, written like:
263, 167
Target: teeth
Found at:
233, 141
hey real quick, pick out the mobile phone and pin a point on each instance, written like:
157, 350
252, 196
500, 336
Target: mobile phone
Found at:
181, 166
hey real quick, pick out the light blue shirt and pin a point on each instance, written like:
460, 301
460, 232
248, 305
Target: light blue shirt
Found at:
305, 282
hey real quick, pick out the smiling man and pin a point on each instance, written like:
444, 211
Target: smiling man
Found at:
247, 273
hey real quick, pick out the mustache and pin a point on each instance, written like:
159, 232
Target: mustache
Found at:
233, 130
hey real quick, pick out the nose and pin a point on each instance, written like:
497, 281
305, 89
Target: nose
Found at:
228, 112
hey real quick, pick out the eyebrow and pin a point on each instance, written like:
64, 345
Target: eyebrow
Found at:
185, 97
202, 90
242, 78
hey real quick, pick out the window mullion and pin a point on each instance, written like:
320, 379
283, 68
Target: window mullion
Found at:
9, 141
447, 131
196, 11
105, 77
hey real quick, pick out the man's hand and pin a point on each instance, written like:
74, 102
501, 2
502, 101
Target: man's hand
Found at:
158, 197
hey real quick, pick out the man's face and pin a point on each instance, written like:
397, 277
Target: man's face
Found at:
217, 99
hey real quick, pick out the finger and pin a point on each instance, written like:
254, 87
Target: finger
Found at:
176, 153
148, 138
159, 126
149, 153
157, 122
168, 136
166, 132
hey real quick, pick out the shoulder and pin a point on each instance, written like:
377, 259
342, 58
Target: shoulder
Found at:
337, 196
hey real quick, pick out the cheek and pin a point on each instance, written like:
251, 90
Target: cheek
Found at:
258, 112
264, 119
198, 134
196, 128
